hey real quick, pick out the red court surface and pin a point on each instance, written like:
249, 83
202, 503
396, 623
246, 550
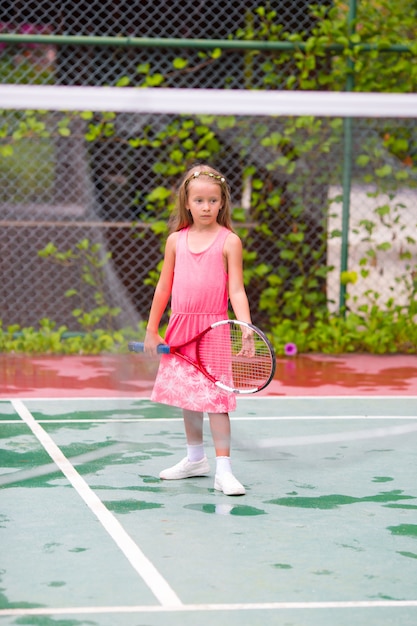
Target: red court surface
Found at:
132, 375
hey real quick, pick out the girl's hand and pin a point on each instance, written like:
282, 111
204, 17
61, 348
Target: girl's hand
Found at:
248, 345
152, 341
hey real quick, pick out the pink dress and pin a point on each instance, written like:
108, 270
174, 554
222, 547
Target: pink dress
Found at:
199, 298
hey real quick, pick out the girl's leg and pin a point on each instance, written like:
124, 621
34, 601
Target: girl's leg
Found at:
224, 480
193, 424
220, 431
195, 463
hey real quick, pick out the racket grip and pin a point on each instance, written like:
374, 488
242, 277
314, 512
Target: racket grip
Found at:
139, 346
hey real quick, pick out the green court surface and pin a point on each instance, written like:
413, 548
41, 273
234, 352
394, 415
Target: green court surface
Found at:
325, 536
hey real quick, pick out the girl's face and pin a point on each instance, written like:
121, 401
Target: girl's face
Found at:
204, 201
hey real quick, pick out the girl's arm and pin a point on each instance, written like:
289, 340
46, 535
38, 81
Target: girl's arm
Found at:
161, 296
237, 292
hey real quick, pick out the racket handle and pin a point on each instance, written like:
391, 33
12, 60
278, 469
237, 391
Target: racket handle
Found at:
139, 346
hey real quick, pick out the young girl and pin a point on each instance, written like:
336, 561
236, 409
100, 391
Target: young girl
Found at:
202, 270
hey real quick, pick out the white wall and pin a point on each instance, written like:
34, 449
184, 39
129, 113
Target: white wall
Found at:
387, 265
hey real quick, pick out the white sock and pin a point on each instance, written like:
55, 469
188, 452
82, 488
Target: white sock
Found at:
223, 464
195, 453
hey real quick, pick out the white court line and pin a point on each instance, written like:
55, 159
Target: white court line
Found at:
309, 440
280, 418
189, 608
330, 397
235, 418
150, 575
252, 418
92, 420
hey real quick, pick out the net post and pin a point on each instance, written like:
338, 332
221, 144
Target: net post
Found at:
347, 168
347, 182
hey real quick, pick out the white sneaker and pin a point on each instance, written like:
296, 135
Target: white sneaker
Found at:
227, 483
186, 469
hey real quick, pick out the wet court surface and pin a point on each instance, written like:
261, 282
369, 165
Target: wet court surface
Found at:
132, 375
326, 535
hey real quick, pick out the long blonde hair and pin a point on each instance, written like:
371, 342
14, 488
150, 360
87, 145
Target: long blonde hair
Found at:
181, 217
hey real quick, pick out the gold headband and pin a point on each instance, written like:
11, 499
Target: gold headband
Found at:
220, 179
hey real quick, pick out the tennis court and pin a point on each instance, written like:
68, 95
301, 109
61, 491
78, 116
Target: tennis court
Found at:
326, 535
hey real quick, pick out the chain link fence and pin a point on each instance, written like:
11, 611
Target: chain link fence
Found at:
109, 180
104, 65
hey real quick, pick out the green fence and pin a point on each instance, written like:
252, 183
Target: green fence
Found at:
327, 207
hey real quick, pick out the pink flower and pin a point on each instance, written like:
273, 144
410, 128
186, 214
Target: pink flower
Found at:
290, 349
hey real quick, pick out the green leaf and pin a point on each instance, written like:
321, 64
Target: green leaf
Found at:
216, 53
155, 80
288, 255
159, 227
383, 171
402, 175
84, 244
158, 194
177, 156
362, 160
179, 63
6, 150
123, 82
143, 68
383, 210
348, 277
296, 237
239, 215
226, 121
385, 246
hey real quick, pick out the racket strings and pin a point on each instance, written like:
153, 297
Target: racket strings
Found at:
237, 357
251, 361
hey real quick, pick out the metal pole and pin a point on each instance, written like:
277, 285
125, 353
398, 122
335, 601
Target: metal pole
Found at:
347, 168
199, 44
153, 42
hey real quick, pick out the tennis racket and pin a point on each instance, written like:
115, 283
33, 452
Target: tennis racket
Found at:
234, 355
